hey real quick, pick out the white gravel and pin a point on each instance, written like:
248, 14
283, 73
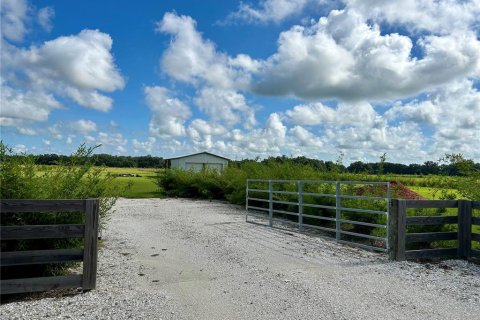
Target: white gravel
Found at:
184, 259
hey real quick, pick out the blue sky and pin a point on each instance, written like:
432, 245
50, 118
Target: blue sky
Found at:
243, 79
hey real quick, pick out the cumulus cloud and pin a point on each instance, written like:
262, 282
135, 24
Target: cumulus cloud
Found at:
306, 138
78, 67
112, 141
227, 106
452, 112
144, 146
343, 57
168, 113
84, 126
355, 114
20, 148
14, 14
192, 59
56, 131
268, 11
421, 15
31, 105
44, 17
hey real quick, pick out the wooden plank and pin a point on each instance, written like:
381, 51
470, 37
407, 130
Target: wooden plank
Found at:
42, 231
393, 230
426, 220
402, 215
431, 253
476, 221
464, 228
474, 253
475, 237
431, 236
42, 205
17, 258
90, 245
39, 284
431, 203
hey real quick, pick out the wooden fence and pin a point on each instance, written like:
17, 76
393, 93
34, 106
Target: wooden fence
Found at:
88, 231
399, 235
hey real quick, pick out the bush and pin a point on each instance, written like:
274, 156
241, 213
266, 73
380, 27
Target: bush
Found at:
74, 178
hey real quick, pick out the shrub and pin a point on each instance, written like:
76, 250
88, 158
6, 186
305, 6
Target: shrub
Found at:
74, 178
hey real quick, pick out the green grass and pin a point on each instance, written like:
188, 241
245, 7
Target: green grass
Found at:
143, 185
432, 193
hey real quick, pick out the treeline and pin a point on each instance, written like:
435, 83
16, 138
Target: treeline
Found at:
446, 167
106, 160
449, 167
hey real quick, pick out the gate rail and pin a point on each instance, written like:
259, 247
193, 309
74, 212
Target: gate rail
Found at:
301, 204
464, 235
88, 231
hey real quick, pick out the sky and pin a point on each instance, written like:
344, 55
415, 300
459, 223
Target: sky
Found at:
243, 79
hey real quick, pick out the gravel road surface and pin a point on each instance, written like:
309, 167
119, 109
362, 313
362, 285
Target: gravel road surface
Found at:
184, 259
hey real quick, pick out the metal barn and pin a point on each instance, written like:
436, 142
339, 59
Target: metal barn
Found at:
198, 161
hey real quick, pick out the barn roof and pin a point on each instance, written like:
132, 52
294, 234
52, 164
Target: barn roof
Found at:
194, 154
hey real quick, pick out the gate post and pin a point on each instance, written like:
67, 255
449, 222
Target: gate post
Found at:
464, 228
89, 277
397, 226
300, 205
338, 212
270, 203
246, 202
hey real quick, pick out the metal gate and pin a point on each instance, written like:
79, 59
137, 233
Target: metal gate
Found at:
351, 212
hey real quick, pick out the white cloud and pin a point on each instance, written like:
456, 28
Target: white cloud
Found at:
343, 57
109, 141
26, 105
44, 17
227, 106
27, 131
268, 11
145, 146
452, 112
46, 142
69, 139
355, 114
56, 131
14, 14
20, 148
77, 67
83, 126
192, 59
420, 15
168, 114
121, 149
305, 137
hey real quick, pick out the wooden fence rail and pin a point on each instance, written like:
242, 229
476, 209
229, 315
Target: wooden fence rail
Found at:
399, 237
88, 255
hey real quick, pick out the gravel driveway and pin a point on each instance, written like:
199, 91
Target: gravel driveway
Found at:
184, 259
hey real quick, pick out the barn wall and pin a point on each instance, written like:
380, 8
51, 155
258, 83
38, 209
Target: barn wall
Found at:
198, 161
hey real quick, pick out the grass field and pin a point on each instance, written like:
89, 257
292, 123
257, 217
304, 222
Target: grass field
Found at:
142, 185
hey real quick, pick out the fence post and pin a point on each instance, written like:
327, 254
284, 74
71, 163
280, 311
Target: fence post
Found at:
300, 205
246, 202
397, 226
393, 230
338, 212
270, 203
388, 205
89, 276
464, 228
402, 226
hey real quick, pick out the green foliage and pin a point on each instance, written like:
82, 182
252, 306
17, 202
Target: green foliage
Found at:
73, 178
